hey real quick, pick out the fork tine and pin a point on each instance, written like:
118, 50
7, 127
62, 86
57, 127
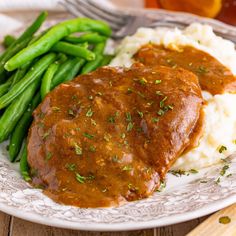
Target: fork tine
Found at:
79, 9
116, 15
71, 8
100, 13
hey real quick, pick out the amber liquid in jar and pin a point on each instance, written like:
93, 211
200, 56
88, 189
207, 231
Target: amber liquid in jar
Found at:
224, 10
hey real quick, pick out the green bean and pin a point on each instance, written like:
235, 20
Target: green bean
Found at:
36, 71
24, 166
67, 71
22, 41
56, 33
20, 73
8, 40
5, 87
106, 60
14, 112
73, 50
92, 65
47, 79
20, 131
92, 38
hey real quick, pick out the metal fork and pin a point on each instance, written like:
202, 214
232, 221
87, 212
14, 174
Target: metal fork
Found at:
126, 23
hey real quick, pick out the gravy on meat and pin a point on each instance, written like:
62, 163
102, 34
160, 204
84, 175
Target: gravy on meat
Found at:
213, 76
110, 136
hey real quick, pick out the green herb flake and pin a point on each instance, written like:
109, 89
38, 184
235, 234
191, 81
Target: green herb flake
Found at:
46, 134
178, 173
115, 159
81, 179
123, 135
162, 186
93, 122
140, 114
224, 220
155, 120
99, 93
89, 136
129, 90
90, 97
71, 112
111, 119
162, 102
70, 166
130, 126
160, 112
158, 81
141, 94
203, 181
224, 169
193, 171
159, 93
107, 137
127, 168
128, 116
56, 109
48, 156
92, 148
222, 149
202, 70
89, 113
78, 149
143, 81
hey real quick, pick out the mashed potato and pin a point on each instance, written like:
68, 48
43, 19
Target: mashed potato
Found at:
219, 135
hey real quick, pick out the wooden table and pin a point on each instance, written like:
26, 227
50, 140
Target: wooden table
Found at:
12, 226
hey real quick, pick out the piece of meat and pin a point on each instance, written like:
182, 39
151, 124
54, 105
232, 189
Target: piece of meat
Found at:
213, 76
110, 136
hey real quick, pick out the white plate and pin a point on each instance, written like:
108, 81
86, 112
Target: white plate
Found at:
185, 198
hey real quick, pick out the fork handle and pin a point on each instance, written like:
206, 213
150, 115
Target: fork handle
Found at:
211, 226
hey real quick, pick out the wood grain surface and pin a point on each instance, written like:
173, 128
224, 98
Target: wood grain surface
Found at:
12, 226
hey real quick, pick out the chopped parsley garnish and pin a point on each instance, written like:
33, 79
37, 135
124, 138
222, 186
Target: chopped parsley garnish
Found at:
158, 81
56, 109
48, 156
130, 126
71, 112
90, 97
129, 90
78, 149
159, 93
160, 112
115, 158
202, 70
140, 114
89, 136
193, 171
107, 137
143, 81
111, 119
99, 93
89, 113
203, 181
162, 186
92, 148
93, 122
128, 116
70, 166
162, 102
127, 168
222, 149
155, 120
46, 134
123, 135
80, 178
224, 169
224, 220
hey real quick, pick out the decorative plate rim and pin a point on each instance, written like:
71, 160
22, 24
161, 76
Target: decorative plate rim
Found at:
208, 208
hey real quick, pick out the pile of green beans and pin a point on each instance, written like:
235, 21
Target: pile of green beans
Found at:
34, 64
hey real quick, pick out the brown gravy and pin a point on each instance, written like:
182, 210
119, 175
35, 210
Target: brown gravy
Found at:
110, 136
213, 76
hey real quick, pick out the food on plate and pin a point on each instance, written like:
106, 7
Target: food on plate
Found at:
110, 136
39, 63
165, 102
213, 60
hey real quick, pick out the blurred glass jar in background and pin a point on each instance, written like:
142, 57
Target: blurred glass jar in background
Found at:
224, 10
